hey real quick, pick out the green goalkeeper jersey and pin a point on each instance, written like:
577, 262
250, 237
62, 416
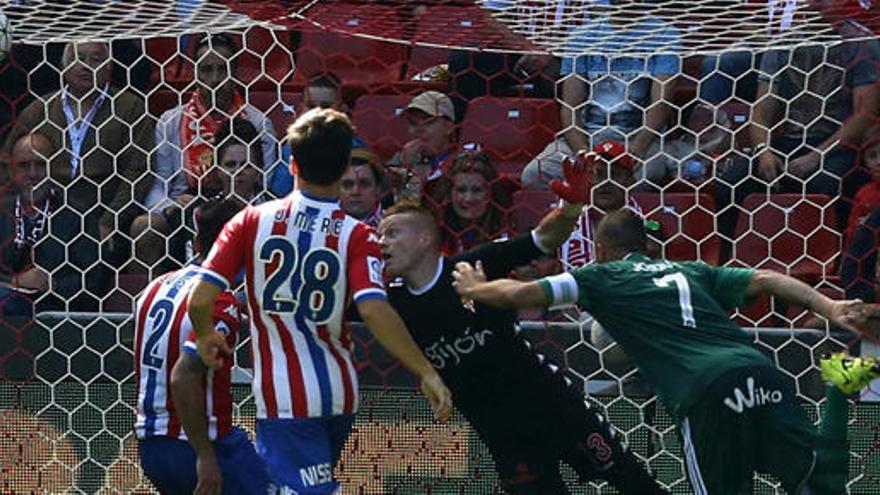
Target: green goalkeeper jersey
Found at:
670, 318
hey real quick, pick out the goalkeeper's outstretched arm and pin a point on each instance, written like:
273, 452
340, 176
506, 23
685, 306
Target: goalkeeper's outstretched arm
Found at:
844, 314
470, 282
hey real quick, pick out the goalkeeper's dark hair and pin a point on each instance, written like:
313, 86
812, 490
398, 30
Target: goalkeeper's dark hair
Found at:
417, 207
622, 231
210, 217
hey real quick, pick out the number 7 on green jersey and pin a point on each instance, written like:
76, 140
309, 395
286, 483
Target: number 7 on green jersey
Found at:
684, 296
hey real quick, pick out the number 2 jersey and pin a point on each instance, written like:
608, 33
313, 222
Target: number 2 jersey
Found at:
304, 260
670, 318
162, 331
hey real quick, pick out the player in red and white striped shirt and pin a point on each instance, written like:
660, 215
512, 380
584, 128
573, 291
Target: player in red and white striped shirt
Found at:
304, 262
163, 337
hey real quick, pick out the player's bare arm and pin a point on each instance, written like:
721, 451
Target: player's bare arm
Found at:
390, 331
189, 399
211, 344
470, 282
848, 314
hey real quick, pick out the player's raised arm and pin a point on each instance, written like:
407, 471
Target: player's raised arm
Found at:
470, 282
848, 314
390, 331
189, 400
574, 191
211, 345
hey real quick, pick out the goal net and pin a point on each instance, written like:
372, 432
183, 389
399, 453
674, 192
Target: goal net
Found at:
750, 136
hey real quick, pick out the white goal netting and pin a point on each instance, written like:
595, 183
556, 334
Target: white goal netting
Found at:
750, 127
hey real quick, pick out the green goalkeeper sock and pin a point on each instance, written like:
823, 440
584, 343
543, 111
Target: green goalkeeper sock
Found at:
832, 453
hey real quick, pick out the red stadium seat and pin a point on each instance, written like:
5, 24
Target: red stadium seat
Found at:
757, 314
473, 27
790, 233
688, 223
165, 99
280, 108
163, 53
511, 129
327, 45
379, 120
127, 289
265, 58
423, 58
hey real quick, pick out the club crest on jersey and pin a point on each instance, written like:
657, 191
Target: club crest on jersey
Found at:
468, 304
376, 268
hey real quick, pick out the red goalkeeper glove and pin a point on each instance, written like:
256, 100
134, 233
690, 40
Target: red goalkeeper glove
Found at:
579, 176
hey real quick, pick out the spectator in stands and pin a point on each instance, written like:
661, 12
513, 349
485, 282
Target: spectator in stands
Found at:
473, 203
322, 91
362, 186
868, 196
70, 117
734, 73
239, 168
604, 95
28, 200
184, 135
479, 73
819, 101
614, 177
858, 268
103, 135
431, 118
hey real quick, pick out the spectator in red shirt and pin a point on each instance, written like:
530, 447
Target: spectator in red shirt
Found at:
868, 196
473, 202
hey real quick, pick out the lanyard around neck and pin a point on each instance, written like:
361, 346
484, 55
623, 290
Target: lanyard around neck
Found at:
77, 133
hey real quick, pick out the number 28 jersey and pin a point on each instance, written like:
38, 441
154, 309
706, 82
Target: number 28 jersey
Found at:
670, 318
304, 260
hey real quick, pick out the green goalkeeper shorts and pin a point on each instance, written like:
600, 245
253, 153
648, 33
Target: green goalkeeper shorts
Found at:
748, 420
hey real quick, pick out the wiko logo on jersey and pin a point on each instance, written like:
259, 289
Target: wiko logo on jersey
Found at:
317, 474
377, 267
756, 397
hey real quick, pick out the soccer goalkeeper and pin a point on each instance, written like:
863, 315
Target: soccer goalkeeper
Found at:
736, 411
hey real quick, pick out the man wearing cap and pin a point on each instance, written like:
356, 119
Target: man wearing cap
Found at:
614, 176
431, 118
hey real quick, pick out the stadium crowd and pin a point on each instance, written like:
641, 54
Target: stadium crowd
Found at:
102, 183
